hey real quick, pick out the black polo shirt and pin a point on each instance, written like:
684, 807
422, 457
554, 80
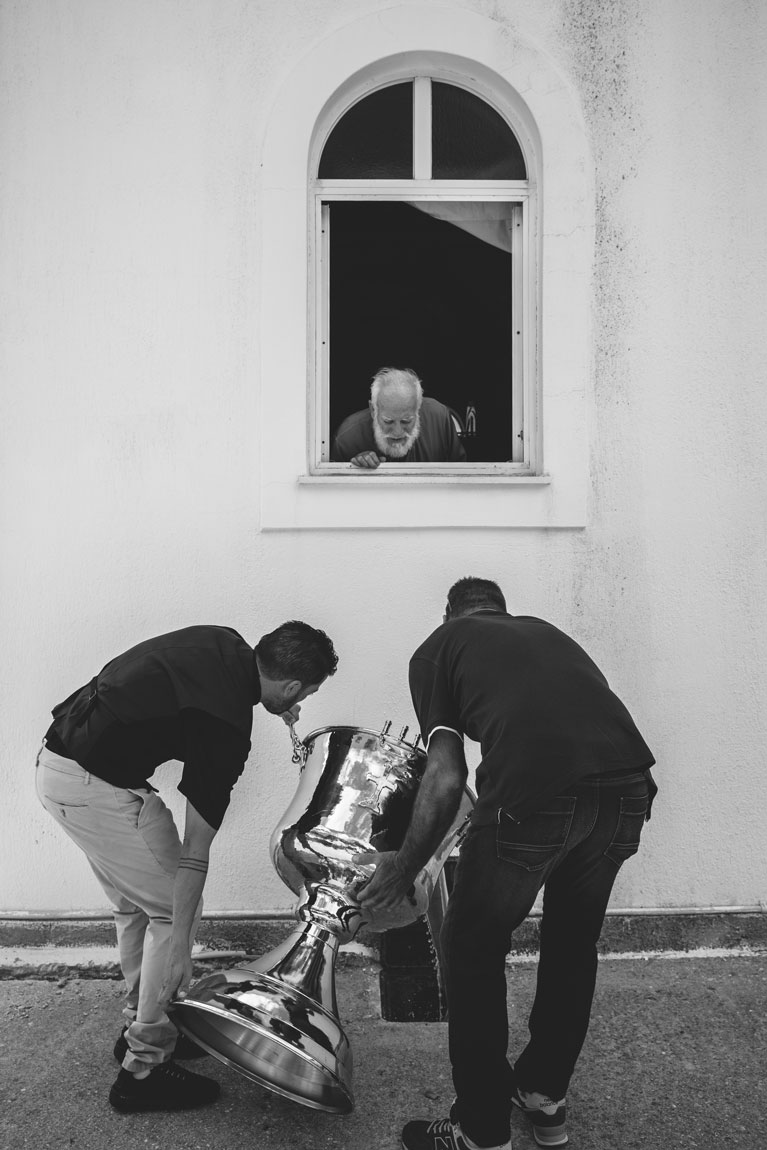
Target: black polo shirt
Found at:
540, 708
188, 695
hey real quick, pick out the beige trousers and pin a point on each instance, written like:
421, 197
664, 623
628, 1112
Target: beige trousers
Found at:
132, 844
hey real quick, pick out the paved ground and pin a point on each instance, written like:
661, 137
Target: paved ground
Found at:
676, 1057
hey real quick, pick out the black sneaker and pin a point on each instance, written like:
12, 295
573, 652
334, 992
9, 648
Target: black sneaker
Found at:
440, 1135
547, 1116
185, 1050
167, 1087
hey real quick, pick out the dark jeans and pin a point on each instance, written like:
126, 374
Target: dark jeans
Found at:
575, 846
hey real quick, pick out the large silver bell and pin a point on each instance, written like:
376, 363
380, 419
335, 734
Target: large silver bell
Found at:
275, 1018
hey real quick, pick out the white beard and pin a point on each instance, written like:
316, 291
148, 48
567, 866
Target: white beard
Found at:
396, 450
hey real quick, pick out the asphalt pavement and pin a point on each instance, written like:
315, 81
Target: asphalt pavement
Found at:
676, 1057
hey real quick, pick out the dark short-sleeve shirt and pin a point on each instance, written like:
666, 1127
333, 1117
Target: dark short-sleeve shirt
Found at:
537, 704
187, 695
437, 442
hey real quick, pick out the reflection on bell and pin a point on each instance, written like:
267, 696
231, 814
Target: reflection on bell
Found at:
275, 1019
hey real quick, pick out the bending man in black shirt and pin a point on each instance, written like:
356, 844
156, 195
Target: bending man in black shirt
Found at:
187, 695
563, 790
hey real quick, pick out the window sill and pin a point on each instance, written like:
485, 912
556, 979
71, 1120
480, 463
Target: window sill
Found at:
394, 476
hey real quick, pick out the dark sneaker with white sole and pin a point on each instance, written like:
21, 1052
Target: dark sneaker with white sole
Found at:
547, 1116
167, 1087
440, 1135
185, 1050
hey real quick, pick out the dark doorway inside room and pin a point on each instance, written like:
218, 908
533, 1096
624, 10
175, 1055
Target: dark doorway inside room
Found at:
408, 290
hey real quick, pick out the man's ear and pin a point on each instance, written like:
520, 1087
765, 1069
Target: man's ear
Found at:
371, 409
293, 687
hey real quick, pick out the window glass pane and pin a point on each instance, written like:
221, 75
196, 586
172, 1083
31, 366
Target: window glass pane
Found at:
374, 139
470, 140
421, 287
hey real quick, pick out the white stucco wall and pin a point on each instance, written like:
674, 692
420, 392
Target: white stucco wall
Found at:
132, 228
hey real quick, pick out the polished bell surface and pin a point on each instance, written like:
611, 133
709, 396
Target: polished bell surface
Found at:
275, 1018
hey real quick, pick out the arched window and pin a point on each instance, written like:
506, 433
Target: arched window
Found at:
424, 258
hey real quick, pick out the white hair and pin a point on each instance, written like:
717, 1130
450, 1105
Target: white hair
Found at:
399, 378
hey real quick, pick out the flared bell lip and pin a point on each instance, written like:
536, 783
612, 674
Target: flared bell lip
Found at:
344, 1099
392, 740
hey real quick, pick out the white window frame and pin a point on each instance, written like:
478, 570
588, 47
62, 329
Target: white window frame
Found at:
526, 453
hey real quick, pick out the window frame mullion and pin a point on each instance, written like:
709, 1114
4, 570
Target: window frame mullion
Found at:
422, 163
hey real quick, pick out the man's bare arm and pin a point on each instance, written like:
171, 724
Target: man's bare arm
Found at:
436, 804
187, 892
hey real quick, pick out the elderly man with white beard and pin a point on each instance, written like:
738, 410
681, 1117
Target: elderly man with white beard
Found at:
399, 425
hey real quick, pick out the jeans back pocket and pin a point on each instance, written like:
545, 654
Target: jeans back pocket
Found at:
631, 819
535, 841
